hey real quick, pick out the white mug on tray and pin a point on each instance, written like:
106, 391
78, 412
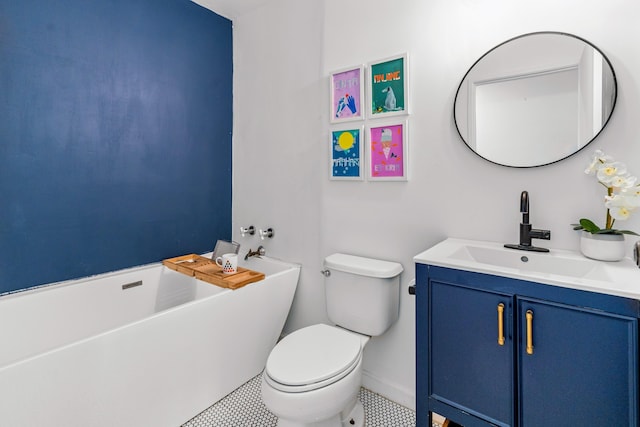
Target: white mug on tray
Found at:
228, 262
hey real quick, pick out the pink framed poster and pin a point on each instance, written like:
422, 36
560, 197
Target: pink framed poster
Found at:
387, 150
347, 94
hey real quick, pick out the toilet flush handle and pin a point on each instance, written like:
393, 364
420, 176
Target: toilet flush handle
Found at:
325, 273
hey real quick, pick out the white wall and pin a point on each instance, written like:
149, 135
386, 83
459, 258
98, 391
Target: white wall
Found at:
278, 141
283, 56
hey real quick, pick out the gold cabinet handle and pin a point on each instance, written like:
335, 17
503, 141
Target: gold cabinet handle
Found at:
501, 324
529, 316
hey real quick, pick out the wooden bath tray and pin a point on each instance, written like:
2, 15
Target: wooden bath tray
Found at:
212, 273
185, 264
208, 271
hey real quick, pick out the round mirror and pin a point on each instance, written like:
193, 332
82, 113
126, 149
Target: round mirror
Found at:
535, 99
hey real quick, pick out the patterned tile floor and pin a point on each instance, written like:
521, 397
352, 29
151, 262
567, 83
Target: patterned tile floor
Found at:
244, 408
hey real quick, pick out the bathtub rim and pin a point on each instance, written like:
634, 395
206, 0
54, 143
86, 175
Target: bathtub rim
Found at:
74, 281
223, 291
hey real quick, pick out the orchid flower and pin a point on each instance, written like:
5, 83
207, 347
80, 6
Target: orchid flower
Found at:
623, 193
598, 159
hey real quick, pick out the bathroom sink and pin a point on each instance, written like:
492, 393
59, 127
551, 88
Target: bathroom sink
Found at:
543, 263
557, 267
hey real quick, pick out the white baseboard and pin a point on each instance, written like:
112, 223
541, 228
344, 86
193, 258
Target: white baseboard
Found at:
393, 392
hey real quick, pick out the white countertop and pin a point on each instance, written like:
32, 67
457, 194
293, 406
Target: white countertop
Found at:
568, 269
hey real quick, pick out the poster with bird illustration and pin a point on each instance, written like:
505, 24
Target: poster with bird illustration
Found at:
387, 88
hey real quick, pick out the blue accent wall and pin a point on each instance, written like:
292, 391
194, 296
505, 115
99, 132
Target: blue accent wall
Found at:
115, 135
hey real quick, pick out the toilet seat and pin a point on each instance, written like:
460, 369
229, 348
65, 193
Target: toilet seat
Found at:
312, 358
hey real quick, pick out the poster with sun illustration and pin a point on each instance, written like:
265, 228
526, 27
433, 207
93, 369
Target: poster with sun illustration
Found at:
387, 147
346, 154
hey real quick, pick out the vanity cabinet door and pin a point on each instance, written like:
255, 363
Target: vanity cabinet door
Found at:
581, 369
471, 351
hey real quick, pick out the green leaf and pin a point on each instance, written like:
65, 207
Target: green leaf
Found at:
628, 232
589, 226
606, 231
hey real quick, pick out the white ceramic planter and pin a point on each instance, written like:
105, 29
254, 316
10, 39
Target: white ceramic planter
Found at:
603, 247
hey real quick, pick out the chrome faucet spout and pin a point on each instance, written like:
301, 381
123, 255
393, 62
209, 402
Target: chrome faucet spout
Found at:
258, 252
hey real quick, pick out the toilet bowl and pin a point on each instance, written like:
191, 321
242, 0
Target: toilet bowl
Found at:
313, 376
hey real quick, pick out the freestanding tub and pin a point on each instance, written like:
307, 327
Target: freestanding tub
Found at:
146, 346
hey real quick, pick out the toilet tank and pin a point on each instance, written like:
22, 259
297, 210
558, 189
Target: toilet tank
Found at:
363, 294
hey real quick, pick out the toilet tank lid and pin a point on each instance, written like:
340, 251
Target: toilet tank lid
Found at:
362, 266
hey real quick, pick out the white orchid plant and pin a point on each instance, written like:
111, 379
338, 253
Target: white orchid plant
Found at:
623, 194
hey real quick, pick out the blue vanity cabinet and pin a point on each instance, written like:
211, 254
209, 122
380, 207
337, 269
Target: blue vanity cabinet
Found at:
469, 367
582, 367
496, 351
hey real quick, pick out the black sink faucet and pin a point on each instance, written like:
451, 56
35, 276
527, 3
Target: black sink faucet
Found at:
526, 231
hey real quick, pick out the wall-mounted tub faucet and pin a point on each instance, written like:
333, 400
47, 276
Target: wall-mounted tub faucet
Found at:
266, 233
526, 231
251, 230
258, 252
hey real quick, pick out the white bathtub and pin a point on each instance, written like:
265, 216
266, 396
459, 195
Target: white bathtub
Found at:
90, 353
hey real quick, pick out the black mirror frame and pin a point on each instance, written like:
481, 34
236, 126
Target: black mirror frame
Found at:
604, 125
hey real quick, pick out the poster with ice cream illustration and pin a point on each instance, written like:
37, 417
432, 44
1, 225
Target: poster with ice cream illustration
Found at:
387, 147
346, 154
347, 94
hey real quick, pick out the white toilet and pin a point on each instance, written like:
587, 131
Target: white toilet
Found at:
313, 376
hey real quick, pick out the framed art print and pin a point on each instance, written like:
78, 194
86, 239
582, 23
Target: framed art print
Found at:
387, 87
347, 161
387, 150
347, 95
